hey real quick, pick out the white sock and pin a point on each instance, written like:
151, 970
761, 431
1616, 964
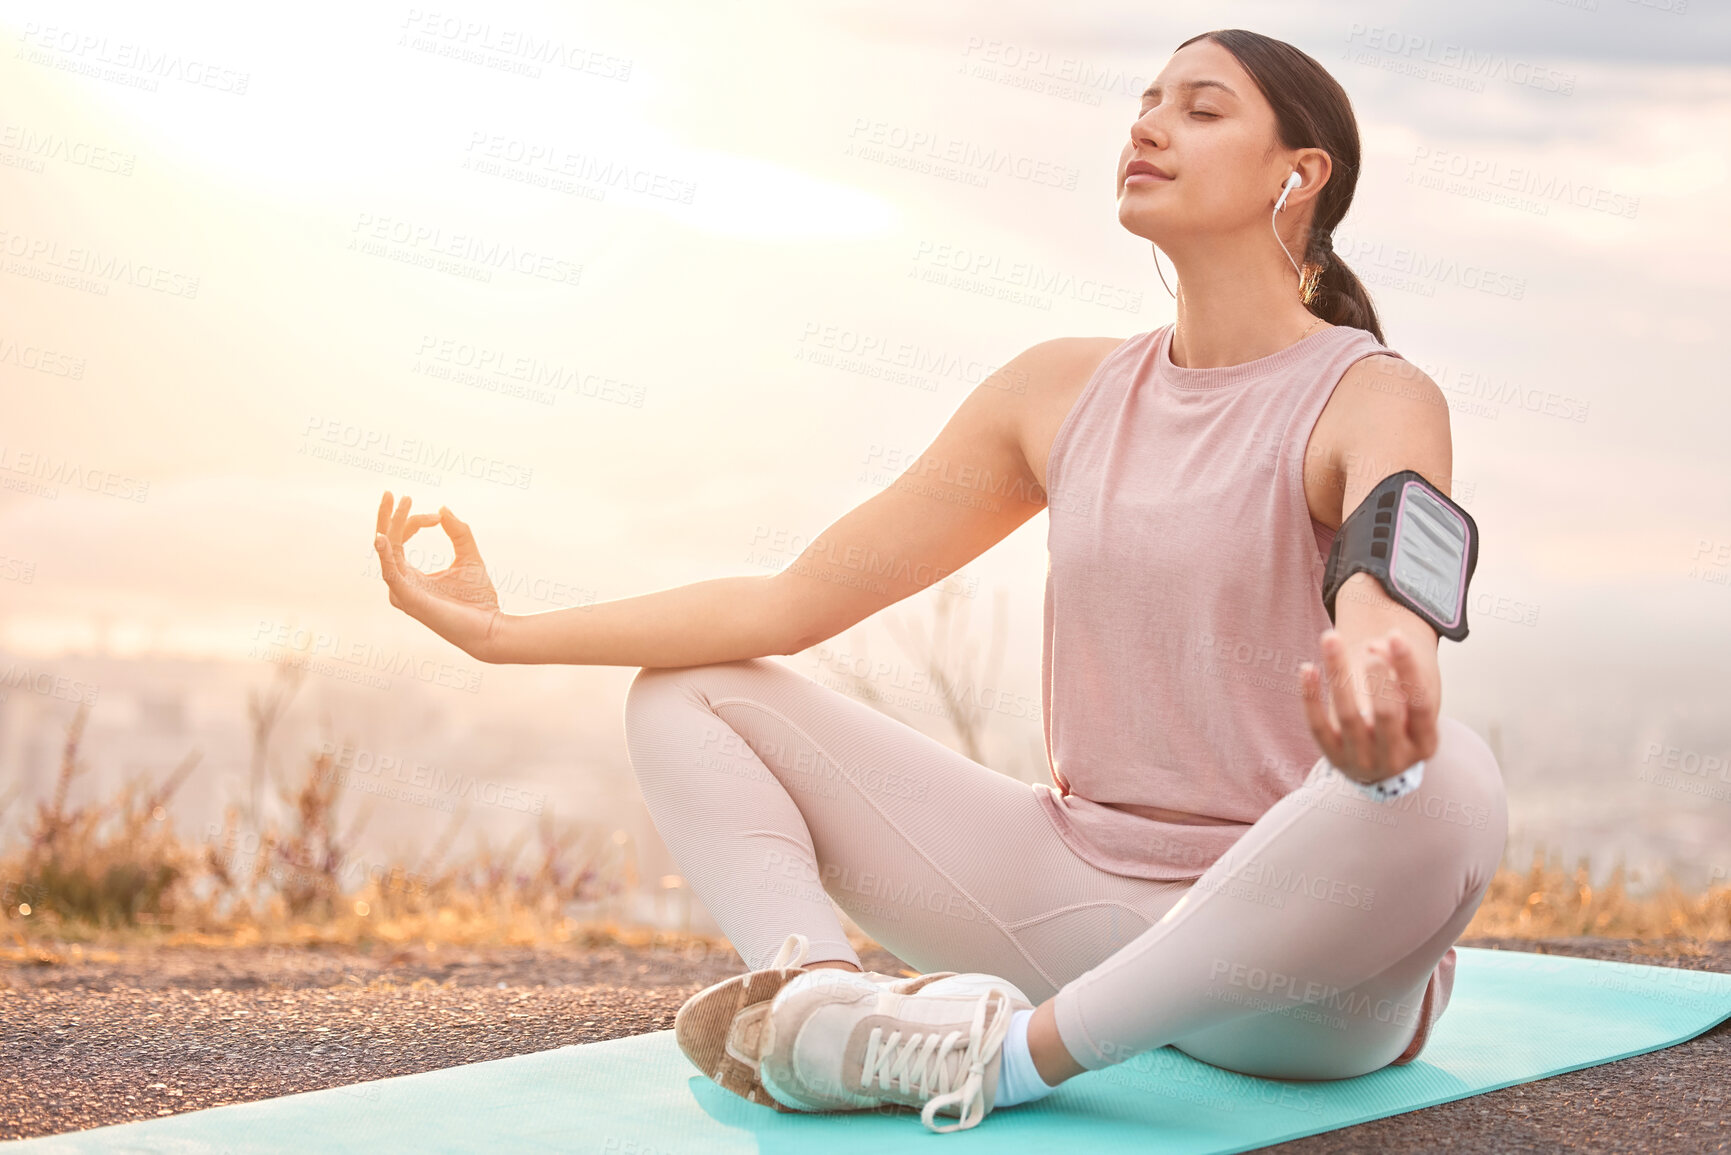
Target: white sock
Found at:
1018, 1079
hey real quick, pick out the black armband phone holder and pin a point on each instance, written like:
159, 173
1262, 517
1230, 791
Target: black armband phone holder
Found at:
1420, 545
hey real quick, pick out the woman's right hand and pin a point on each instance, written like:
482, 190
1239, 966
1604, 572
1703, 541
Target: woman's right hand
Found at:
458, 603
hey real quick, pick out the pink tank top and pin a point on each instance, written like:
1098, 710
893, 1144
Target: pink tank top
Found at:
1183, 592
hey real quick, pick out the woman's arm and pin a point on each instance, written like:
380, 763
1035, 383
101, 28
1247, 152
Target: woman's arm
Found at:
724, 619
969, 490
1379, 662
720, 620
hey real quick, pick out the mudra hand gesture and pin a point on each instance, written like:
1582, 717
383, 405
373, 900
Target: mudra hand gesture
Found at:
1401, 725
458, 603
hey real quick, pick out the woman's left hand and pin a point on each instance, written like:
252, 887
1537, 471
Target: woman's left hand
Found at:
1398, 730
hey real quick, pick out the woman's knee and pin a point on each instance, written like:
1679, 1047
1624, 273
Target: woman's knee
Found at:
648, 678
655, 711
654, 682
1467, 765
1463, 792
653, 685
669, 720
650, 689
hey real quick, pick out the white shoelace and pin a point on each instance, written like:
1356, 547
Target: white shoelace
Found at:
932, 1061
792, 953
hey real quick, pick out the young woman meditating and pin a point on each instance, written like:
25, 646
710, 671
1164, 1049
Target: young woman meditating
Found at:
1262, 836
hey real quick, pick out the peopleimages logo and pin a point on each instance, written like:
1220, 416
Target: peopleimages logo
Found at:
38, 146
39, 257
469, 254
54, 472
1425, 269
383, 445
507, 48
1430, 166
16, 676
139, 65
1413, 52
415, 781
1022, 281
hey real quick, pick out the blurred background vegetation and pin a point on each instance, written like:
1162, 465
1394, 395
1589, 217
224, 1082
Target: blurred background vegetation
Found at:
115, 869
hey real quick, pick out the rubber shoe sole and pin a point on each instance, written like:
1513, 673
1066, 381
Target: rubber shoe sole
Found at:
720, 1028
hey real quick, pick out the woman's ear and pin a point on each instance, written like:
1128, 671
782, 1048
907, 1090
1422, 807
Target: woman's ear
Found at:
1314, 167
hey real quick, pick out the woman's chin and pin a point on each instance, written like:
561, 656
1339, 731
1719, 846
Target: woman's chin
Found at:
1138, 224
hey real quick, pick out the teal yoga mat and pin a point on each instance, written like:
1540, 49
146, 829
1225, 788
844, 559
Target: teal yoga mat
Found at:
1514, 1018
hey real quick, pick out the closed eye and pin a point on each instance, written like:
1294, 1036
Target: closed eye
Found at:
1215, 115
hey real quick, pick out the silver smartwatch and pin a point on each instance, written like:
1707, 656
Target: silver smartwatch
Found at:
1392, 787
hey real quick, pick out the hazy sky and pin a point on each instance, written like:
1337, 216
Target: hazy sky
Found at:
636, 289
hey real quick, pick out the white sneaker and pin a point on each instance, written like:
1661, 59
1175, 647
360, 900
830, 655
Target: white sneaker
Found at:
837, 1041
720, 1028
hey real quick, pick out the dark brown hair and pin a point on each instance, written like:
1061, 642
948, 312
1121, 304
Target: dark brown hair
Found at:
1311, 110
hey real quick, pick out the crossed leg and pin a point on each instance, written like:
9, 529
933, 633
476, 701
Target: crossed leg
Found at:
777, 794
1304, 952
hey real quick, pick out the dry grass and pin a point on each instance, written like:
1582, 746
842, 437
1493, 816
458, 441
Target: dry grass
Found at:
105, 865
1547, 901
114, 871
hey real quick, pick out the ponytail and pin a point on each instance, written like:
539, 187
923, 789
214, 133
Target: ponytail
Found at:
1332, 291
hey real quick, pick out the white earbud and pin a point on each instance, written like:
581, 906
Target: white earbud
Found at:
1292, 182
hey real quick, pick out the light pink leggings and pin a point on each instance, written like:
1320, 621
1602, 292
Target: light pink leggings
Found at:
1303, 953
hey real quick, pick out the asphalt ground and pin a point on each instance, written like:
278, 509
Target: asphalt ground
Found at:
99, 1036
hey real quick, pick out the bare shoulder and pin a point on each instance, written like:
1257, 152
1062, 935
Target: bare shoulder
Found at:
1384, 378
1385, 415
1054, 373
1392, 406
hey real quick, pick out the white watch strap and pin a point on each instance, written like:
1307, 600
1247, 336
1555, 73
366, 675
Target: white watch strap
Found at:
1392, 787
